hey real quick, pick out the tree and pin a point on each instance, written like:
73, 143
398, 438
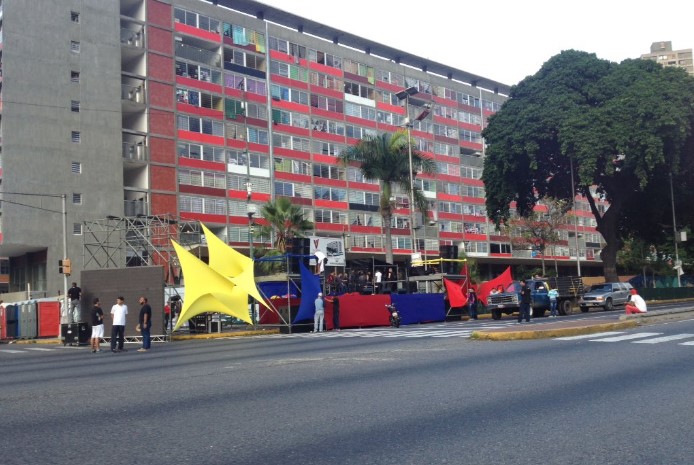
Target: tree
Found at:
385, 158
284, 221
539, 229
617, 126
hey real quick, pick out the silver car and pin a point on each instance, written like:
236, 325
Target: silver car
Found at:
605, 295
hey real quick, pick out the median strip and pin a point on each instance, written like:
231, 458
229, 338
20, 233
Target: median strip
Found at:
561, 330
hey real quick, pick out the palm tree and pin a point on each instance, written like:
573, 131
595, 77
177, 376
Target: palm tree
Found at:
284, 221
385, 157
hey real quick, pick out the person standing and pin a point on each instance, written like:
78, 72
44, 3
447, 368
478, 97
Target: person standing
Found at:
74, 294
319, 315
553, 294
526, 297
167, 316
336, 312
472, 303
636, 304
118, 312
145, 323
97, 325
378, 277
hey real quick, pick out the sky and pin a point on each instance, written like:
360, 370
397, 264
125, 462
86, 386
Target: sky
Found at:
507, 40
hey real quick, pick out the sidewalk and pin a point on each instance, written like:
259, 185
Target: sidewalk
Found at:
542, 328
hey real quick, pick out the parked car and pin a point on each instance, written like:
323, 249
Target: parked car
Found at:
605, 295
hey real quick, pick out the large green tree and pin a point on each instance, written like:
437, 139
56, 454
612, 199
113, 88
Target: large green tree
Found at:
385, 158
618, 127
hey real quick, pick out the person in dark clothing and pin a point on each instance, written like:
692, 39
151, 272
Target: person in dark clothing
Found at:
526, 299
97, 325
145, 324
472, 303
74, 294
336, 312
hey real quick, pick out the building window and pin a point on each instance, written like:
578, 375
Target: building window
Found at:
75, 106
76, 137
77, 229
74, 17
77, 199
76, 167
74, 46
75, 76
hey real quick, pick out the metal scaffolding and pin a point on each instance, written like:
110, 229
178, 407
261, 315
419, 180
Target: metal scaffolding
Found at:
142, 240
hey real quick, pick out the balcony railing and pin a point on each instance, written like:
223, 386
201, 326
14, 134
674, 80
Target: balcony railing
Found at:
198, 54
132, 38
135, 207
135, 151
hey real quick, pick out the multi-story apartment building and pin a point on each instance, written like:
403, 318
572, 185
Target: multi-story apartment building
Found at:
662, 52
185, 107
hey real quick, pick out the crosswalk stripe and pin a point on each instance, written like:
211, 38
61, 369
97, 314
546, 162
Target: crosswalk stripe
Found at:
9, 351
626, 337
656, 340
588, 336
40, 349
688, 343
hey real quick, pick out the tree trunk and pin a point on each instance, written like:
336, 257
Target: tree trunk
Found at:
389, 241
607, 225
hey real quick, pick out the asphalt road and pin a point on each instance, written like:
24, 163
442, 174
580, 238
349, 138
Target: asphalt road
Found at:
344, 399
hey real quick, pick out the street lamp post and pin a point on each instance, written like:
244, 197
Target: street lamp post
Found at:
573, 201
678, 264
405, 95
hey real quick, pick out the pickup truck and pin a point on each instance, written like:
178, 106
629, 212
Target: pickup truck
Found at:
570, 290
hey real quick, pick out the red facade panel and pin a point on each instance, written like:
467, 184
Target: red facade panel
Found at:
162, 150
201, 190
199, 137
161, 123
194, 31
163, 178
201, 164
159, 13
160, 40
160, 67
161, 95
206, 112
197, 84
285, 81
162, 204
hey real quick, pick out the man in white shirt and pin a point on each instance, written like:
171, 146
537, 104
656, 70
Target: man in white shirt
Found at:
636, 303
378, 277
118, 312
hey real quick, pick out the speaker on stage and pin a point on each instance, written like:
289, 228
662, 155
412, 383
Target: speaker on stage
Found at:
449, 252
299, 246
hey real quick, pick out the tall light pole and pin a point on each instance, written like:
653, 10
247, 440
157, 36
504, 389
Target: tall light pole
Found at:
573, 201
678, 264
405, 95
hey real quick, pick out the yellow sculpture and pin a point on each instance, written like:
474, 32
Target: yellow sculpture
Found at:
221, 287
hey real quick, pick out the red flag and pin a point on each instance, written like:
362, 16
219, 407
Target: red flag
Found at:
504, 279
455, 293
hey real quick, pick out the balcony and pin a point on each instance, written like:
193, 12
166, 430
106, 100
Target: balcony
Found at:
136, 151
200, 55
133, 93
132, 38
135, 207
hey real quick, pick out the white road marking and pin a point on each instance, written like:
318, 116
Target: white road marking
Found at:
657, 340
626, 337
588, 336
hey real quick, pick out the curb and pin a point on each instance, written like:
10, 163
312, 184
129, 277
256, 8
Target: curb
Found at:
551, 332
181, 337
257, 332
